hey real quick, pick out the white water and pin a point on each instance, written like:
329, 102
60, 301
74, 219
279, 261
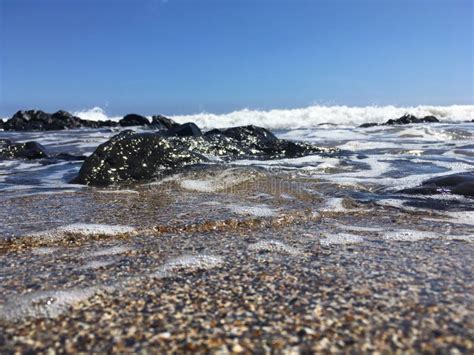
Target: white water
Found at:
307, 117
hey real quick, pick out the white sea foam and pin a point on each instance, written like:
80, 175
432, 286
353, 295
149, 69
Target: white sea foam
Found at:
335, 204
274, 246
308, 117
83, 228
44, 251
460, 217
340, 239
357, 228
96, 264
189, 263
95, 114
109, 251
222, 181
44, 304
256, 210
407, 235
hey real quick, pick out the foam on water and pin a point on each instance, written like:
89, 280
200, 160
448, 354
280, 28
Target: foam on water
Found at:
340, 239
407, 235
96, 264
311, 117
459, 217
189, 263
256, 210
335, 204
274, 246
357, 228
44, 251
95, 114
307, 117
85, 229
222, 181
118, 249
44, 304
124, 191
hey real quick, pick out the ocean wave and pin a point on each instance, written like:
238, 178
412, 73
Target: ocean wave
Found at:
303, 118
308, 117
95, 114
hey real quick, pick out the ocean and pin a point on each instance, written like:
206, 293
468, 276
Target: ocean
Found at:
313, 226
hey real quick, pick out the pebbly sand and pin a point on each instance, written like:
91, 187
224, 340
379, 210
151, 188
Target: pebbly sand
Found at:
268, 265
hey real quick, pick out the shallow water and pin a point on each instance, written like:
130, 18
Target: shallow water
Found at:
379, 162
63, 243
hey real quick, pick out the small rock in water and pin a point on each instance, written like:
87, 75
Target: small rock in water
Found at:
405, 119
457, 184
28, 150
133, 119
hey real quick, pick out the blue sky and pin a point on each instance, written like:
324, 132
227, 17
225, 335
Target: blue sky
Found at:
179, 56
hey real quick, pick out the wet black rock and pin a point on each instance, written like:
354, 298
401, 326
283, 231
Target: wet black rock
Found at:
368, 125
163, 123
134, 120
36, 120
457, 184
28, 150
405, 119
185, 130
130, 157
1, 123
251, 134
134, 157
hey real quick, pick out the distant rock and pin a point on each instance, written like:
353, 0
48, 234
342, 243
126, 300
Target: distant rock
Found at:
405, 119
1, 123
134, 120
129, 156
36, 120
257, 137
162, 122
185, 130
368, 125
28, 150
457, 184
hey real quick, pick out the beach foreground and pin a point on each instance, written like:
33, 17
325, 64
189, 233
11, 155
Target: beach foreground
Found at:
242, 271
362, 245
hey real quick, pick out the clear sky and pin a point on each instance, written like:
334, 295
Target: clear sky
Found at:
179, 56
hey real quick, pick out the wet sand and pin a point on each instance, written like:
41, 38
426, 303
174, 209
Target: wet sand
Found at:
259, 267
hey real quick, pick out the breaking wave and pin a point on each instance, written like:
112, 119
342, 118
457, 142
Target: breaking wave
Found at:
308, 117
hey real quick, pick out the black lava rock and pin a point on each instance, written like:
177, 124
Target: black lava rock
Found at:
130, 157
407, 119
185, 130
134, 120
134, 157
457, 184
36, 120
368, 125
163, 123
28, 150
213, 132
